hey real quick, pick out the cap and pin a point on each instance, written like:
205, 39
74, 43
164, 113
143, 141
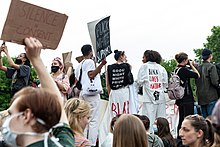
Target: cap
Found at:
205, 53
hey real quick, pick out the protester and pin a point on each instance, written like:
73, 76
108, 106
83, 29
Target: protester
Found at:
74, 91
108, 141
196, 131
78, 114
129, 131
90, 79
35, 113
60, 78
153, 139
153, 77
162, 129
216, 117
186, 104
207, 84
19, 70
118, 89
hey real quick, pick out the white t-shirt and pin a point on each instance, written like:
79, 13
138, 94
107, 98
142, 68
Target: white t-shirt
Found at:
87, 65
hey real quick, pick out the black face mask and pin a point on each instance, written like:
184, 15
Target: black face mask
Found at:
18, 61
54, 69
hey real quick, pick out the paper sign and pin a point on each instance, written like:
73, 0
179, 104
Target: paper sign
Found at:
28, 20
100, 36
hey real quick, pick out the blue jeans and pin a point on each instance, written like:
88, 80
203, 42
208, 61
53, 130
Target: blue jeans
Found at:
207, 109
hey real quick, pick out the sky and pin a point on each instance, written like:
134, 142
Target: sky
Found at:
167, 26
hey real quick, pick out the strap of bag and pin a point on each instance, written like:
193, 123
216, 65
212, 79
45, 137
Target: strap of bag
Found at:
177, 70
80, 73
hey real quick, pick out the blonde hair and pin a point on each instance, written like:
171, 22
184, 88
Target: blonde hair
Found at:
129, 131
75, 109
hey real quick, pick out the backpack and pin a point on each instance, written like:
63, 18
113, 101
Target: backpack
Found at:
175, 90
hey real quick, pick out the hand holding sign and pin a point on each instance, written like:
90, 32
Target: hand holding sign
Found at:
100, 36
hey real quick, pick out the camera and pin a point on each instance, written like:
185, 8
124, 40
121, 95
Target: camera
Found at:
189, 61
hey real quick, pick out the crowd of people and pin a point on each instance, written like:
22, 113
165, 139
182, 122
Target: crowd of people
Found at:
54, 115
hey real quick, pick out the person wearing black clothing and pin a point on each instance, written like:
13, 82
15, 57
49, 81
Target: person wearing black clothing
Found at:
19, 71
186, 104
118, 90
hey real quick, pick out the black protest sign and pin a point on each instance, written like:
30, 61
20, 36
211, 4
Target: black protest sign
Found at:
100, 35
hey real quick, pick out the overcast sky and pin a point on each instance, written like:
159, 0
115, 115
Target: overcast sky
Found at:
167, 26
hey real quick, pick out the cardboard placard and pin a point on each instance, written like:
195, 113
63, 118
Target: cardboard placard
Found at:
28, 20
100, 36
67, 61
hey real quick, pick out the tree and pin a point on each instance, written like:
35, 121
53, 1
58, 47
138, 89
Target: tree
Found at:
213, 43
169, 65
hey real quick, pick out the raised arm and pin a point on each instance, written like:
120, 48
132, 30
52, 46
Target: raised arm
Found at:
1, 63
10, 61
33, 50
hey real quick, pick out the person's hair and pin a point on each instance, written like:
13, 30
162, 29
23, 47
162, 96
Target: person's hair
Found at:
118, 54
145, 120
199, 123
164, 130
153, 56
44, 105
129, 131
86, 49
27, 62
72, 79
60, 63
75, 109
181, 57
216, 140
112, 123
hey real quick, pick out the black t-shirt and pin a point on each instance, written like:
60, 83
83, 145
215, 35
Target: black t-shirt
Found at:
117, 75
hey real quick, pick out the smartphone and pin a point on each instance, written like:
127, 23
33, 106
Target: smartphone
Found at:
3, 43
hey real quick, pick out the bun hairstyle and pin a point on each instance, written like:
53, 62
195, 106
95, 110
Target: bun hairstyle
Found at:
118, 54
180, 57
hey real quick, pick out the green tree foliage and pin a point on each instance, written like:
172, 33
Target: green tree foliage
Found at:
4, 88
104, 95
169, 65
213, 43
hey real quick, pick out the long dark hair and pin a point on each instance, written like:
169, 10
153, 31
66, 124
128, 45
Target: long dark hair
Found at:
153, 56
164, 130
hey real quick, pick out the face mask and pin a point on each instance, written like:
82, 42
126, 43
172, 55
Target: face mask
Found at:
8, 135
18, 61
54, 69
155, 129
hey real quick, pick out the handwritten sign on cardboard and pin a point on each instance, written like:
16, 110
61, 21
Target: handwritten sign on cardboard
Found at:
28, 20
100, 36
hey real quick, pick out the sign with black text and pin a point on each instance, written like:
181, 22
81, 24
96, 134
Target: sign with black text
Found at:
100, 36
28, 20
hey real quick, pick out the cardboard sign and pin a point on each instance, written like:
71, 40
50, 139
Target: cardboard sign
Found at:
100, 36
28, 20
67, 61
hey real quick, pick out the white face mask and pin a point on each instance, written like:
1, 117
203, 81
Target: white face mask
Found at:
8, 135
11, 136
